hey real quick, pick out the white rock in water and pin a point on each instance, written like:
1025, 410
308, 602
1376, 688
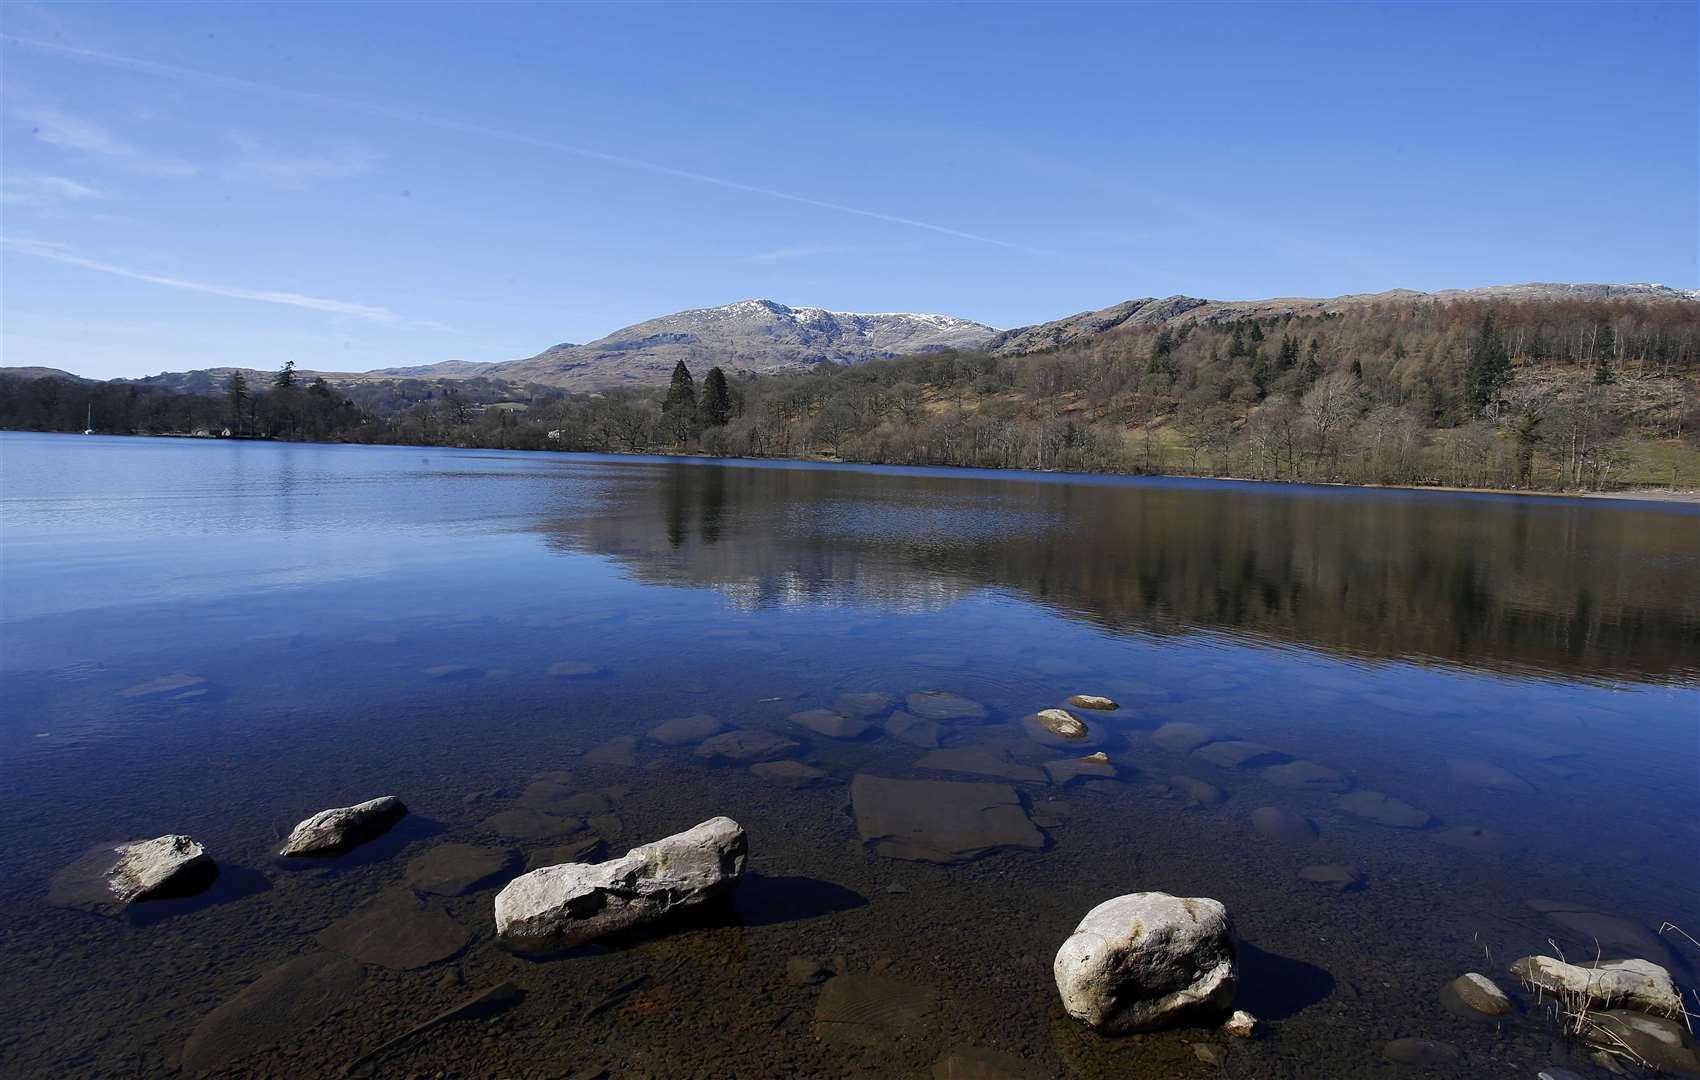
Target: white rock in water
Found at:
343, 827
1137, 961
1241, 1025
111, 876
562, 906
1634, 984
164, 866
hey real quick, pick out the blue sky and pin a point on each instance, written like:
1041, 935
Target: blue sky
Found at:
356, 186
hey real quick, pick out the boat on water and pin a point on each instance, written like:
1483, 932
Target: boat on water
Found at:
88, 424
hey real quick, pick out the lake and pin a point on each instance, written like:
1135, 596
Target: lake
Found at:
220, 638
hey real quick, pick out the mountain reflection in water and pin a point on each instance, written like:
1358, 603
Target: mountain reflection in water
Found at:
1556, 586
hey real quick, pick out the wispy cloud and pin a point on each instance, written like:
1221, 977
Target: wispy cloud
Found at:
60, 253
801, 251
39, 190
55, 126
520, 138
261, 161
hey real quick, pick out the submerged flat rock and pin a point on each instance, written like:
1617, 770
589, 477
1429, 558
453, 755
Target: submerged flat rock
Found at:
395, 931
1283, 824
1471, 838
943, 705
791, 774
940, 821
872, 1011
977, 1063
1384, 809
906, 727
746, 744
1195, 791
1238, 754
1422, 1053
1337, 878
456, 869
1180, 736
621, 751
1615, 935
563, 800
1067, 770
1302, 775
864, 705
526, 823
295, 997
1485, 774
1663, 1043
981, 761
684, 730
833, 725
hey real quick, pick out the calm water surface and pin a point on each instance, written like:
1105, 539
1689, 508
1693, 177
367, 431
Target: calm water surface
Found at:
220, 639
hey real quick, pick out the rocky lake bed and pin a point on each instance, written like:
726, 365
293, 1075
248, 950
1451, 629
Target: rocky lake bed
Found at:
918, 796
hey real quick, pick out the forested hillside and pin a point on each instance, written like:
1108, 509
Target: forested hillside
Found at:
1571, 394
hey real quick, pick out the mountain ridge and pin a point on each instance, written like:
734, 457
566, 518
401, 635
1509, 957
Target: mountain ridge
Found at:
760, 336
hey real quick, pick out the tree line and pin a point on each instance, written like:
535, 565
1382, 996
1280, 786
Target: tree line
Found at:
1523, 394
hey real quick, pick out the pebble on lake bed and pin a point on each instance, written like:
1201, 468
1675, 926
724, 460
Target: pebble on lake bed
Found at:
331, 831
1480, 994
1241, 1025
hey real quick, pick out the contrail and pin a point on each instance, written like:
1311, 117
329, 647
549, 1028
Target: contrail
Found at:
55, 253
408, 116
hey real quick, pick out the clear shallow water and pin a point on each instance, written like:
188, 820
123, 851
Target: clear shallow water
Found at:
384, 620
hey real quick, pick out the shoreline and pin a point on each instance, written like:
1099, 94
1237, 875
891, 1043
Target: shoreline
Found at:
1675, 497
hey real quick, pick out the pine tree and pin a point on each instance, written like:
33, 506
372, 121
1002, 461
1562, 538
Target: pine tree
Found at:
238, 396
1236, 347
715, 405
285, 378
682, 393
679, 408
1313, 361
1490, 365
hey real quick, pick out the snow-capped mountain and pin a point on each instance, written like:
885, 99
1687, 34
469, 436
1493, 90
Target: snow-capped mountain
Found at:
748, 336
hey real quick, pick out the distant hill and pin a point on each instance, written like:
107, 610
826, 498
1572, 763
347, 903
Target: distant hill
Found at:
749, 337
447, 369
41, 373
1152, 311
